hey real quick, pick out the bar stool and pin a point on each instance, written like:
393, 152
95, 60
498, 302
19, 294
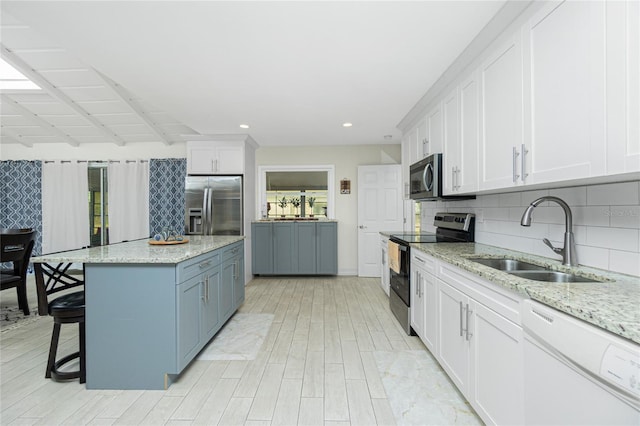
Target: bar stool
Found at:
67, 308
16, 246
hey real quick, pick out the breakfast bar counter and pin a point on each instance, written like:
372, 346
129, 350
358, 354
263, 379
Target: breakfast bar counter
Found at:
149, 309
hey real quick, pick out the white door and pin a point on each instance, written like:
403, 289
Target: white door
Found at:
379, 209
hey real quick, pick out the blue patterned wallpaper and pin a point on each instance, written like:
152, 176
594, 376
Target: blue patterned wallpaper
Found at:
21, 197
166, 194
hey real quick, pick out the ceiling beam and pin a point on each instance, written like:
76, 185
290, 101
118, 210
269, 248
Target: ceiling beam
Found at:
38, 79
126, 98
39, 120
12, 134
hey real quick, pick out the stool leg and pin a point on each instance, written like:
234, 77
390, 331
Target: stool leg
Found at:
55, 336
83, 371
23, 303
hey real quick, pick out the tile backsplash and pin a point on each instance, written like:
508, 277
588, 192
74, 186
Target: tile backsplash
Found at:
606, 223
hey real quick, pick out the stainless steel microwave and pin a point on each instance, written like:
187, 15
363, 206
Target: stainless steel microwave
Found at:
426, 180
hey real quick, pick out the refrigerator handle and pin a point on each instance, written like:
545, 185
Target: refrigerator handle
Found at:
209, 213
205, 219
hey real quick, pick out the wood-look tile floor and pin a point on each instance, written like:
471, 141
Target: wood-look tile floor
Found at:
315, 367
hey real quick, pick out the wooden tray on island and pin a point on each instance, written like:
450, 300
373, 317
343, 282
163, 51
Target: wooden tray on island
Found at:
167, 243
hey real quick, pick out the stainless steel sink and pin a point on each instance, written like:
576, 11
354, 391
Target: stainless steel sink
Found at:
553, 276
530, 271
507, 264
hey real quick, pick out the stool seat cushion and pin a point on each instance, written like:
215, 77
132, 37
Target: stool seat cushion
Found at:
8, 278
69, 305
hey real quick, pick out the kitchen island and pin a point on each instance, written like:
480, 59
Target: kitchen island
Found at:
150, 309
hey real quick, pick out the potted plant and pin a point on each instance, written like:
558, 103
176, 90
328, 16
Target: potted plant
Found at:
310, 201
295, 202
283, 203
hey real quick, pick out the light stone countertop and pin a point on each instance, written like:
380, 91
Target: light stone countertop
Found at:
315, 220
613, 305
140, 251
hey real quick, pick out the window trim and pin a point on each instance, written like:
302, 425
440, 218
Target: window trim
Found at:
262, 184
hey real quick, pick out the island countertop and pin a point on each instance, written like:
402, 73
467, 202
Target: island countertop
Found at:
140, 251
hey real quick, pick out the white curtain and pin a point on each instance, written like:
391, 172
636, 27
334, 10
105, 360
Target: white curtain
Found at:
65, 206
128, 186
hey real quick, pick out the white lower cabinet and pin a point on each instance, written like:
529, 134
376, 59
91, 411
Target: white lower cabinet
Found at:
384, 264
496, 355
424, 315
472, 328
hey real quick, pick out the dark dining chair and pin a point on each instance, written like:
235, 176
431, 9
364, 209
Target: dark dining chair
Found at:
66, 307
16, 247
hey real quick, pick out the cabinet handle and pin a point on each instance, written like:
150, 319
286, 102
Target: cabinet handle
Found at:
457, 178
417, 284
419, 260
206, 289
523, 162
469, 311
461, 329
204, 264
514, 161
453, 178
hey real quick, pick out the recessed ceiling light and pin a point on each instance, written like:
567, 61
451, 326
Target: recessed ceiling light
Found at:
347, 124
244, 126
387, 137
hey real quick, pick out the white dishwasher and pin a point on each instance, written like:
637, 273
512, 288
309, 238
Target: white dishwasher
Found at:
576, 373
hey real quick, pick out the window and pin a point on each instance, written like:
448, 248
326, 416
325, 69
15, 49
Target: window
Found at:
12, 79
98, 207
288, 192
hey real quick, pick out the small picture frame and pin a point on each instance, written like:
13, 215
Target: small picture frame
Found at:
345, 186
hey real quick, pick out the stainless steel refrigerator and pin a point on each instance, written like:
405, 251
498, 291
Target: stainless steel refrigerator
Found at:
213, 205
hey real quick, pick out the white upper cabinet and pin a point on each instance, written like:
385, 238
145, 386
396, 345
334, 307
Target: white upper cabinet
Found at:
501, 116
554, 98
461, 133
215, 158
467, 167
623, 86
564, 64
451, 110
407, 159
422, 141
435, 133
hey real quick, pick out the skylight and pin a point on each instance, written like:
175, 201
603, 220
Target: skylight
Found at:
12, 79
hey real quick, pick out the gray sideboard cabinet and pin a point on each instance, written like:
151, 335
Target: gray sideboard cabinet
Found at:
327, 248
262, 248
295, 248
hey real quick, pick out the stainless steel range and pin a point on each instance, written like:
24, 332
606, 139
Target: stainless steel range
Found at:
450, 228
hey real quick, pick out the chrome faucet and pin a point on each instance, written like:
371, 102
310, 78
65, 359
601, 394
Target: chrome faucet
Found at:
568, 252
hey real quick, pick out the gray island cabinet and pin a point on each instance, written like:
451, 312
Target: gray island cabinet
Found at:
151, 309
295, 247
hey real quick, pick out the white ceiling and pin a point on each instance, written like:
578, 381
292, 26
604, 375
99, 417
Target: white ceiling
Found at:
293, 71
